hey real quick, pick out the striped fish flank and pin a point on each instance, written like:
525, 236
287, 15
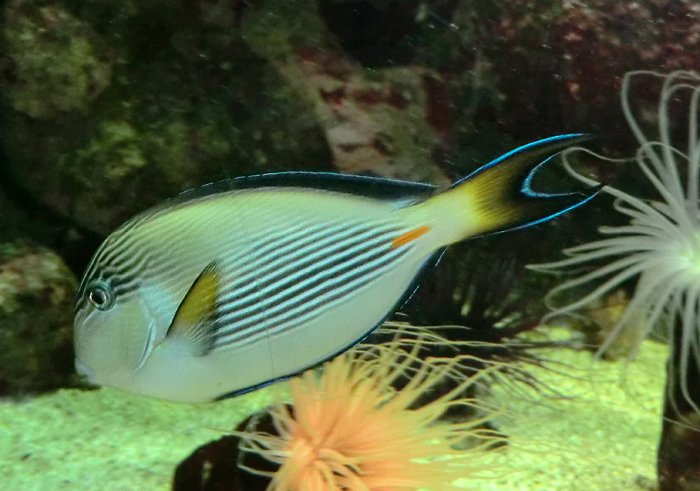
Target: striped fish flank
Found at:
230, 288
304, 283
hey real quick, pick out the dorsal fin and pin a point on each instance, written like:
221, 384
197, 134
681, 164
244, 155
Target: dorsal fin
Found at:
403, 192
373, 187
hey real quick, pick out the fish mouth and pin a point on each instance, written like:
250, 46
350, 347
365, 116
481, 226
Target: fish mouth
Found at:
84, 369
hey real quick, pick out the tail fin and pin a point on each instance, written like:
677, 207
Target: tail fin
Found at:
498, 196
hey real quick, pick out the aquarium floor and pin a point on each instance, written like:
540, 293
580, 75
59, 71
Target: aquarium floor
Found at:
602, 437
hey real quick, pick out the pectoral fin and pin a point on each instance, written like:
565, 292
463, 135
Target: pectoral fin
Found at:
195, 319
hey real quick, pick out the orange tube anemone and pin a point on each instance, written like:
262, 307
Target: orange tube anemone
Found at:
349, 429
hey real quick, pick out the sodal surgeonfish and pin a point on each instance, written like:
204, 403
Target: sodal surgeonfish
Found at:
233, 286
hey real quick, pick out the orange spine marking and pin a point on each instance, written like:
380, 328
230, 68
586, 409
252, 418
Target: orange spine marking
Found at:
409, 236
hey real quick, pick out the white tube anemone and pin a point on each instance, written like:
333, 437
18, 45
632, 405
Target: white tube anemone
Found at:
660, 246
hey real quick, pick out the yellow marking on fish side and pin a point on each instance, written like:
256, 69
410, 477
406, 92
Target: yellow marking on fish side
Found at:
409, 236
198, 307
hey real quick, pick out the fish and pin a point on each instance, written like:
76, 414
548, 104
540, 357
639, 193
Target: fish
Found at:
245, 282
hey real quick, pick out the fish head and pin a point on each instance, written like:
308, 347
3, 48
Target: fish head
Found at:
113, 333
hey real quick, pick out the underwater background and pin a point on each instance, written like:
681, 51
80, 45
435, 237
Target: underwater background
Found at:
109, 107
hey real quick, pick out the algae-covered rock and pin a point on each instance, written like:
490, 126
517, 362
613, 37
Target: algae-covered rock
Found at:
55, 65
188, 103
113, 106
376, 120
36, 320
110, 106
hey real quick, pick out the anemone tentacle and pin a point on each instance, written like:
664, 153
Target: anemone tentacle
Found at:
660, 245
348, 428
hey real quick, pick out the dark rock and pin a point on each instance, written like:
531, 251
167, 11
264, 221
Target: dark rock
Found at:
678, 465
560, 67
216, 466
37, 292
361, 29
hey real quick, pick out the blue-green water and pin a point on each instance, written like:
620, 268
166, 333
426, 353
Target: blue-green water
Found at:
109, 107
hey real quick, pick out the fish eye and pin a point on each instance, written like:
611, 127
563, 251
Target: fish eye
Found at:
101, 296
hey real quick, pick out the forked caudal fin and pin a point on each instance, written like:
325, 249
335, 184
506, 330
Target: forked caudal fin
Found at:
499, 197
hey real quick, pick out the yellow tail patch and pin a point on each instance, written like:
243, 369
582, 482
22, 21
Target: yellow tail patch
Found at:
498, 196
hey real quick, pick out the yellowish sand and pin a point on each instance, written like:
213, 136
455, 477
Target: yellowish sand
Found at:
602, 437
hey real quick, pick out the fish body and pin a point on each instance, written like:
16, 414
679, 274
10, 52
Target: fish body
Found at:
223, 291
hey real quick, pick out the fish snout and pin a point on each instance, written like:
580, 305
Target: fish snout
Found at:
84, 369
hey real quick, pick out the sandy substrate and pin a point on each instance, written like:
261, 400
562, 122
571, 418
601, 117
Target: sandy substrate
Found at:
603, 436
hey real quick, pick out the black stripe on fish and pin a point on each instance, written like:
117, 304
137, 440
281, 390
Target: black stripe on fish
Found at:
277, 250
113, 244
281, 247
368, 186
293, 316
429, 263
122, 253
373, 187
312, 296
300, 265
